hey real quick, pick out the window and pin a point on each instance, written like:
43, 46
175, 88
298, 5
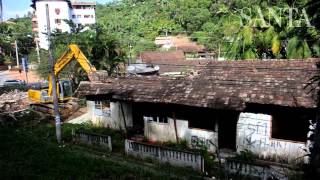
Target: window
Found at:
156, 119
73, 16
202, 124
76, 7
59, 30
289, 127
78, 16
102, 108
86, 16
92, 16
57, 21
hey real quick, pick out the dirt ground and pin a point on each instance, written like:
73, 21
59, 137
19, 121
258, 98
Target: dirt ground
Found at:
20, 75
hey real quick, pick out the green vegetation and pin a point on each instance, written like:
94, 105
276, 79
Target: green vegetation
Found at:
102, 49
16, 29
245, 155
241, 29
29, 150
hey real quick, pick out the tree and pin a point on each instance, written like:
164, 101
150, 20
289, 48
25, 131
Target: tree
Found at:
16, 30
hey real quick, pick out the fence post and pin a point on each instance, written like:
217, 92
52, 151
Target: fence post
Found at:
202, 163
109, 143
73, 134
159, 153
126, 146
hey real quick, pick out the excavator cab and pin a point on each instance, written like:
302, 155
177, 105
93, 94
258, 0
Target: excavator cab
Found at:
65, 90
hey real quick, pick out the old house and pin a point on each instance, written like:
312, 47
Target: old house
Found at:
182, 43
262, 106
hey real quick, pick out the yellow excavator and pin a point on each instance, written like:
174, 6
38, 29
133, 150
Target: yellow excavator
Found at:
42, 98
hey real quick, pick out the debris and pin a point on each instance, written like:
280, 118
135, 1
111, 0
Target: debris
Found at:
14, 101
98, 75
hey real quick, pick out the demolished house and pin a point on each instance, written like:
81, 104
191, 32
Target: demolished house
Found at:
261, 106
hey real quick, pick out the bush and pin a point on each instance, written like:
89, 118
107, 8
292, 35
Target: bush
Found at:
245, 155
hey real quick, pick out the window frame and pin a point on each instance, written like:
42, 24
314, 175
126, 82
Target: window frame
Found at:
156, 119
102, 108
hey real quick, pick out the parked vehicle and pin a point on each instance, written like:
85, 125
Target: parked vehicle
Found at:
10, 83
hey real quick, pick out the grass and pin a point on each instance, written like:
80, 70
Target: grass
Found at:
31, 152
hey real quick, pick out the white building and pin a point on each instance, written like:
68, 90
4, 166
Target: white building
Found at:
81, 12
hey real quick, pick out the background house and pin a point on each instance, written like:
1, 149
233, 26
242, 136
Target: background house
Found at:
191, 49
262, 106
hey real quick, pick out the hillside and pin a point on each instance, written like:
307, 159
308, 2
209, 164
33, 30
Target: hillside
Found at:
242, 29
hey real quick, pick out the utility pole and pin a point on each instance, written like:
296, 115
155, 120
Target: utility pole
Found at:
17, 54
38, 52
25, 67
130, 58
53, 81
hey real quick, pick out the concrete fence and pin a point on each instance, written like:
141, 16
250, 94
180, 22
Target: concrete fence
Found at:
165, 155
92, 139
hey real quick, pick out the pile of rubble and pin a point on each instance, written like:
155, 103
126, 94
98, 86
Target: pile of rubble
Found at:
14, 101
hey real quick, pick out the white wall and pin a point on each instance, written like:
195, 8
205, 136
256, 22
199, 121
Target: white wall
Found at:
42, 18
254, 134
83, 20
115, 120
65, 13
166, 132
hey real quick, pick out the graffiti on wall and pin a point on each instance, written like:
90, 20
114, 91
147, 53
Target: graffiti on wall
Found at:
254, 134
198, 142
257, 136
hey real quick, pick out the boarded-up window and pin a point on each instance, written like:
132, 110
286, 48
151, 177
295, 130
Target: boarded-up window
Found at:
102, 108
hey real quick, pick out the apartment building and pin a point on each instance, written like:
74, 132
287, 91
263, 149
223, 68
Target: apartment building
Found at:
81, 12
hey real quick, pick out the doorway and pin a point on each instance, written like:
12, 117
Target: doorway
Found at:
227, 129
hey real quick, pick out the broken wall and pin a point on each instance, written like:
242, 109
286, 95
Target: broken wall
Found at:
254, 134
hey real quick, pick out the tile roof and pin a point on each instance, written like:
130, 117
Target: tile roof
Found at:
180, 66
221, 85
154, 56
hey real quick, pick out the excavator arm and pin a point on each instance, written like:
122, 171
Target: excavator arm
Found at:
73, 52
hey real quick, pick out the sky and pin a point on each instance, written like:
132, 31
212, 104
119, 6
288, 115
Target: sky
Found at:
12, 8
